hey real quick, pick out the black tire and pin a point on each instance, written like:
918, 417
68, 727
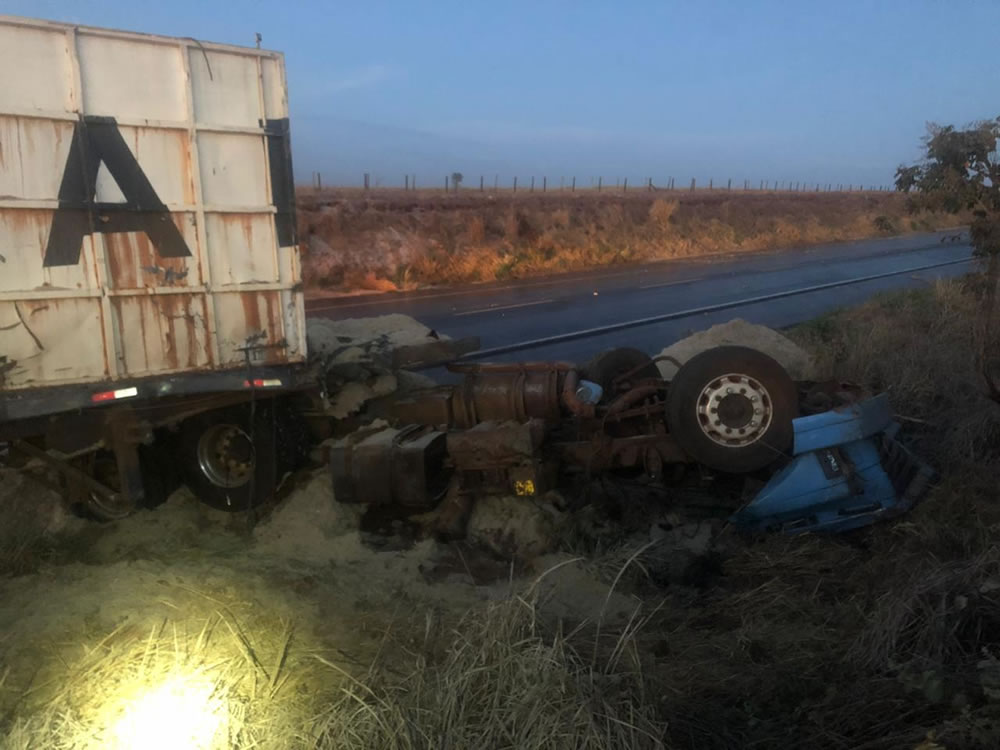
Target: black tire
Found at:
606, 366
751, 425
159, 479
240, 476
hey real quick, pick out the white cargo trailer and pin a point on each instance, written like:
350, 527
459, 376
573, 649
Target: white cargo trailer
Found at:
148, 255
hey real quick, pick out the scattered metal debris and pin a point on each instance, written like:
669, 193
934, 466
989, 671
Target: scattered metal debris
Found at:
524, 429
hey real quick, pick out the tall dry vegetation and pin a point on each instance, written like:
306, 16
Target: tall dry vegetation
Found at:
497, 678
402, 240
884, 638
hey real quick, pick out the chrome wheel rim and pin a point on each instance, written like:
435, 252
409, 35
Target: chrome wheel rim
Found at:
734, 410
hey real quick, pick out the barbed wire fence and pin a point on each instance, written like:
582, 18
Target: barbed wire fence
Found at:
456, 182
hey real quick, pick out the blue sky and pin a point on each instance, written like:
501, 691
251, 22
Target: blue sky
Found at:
831, 91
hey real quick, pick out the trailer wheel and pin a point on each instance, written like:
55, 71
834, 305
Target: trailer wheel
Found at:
614, 363
731, 408
229, 463
159, 479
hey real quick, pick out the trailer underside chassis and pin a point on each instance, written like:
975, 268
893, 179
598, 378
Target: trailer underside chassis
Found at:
230, 445
108, 491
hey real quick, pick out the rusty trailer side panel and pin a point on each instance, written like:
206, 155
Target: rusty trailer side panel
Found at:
146, 207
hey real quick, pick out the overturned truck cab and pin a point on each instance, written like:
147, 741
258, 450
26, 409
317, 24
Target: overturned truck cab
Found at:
826, 454
849, 471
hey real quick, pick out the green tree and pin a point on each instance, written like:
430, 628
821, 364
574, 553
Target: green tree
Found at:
960, 172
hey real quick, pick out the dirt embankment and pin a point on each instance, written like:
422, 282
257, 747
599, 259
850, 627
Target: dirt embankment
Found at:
390, 240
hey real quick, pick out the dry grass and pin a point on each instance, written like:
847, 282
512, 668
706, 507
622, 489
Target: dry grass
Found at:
880, 638
504, 682
388, 239
498, 678
190, 682
918, 346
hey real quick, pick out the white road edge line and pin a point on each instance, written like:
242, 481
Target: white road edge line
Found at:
502, 307
599, 330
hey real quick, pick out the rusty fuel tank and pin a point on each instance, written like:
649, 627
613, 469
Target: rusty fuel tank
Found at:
383, 466
491, 393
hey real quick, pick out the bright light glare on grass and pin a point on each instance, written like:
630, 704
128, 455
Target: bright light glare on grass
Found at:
180, 714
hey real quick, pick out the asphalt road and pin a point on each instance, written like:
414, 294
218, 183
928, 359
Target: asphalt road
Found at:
776, 289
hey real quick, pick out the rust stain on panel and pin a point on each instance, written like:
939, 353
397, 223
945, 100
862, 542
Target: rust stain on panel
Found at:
121, 253
135, 263
262, 315
187, 176
164, 332
171, 309
251, 312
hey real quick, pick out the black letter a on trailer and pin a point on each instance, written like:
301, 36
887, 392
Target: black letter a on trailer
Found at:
96, 140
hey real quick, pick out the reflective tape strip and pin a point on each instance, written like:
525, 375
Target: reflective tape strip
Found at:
115, 395
262, 383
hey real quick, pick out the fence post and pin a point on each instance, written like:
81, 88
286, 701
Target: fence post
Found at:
692, 184
496, 182
446, 183
710, 183
319, 180
650, 185
562, 184
480, 183
599, 180
625, 185
545, 183
515, 184
406, 182
729, 185
573, 189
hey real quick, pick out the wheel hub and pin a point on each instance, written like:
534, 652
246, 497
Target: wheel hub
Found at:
734, 410
225, 455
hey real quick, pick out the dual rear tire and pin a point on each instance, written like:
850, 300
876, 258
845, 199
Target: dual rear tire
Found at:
233, 459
